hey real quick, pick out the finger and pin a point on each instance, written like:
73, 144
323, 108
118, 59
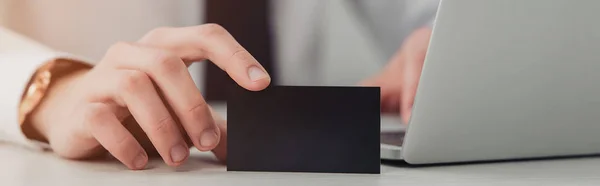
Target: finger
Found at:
415, 49
171, 76
213, 42
390, 99
221, 150
390, 102
138, 94
412, 74
114, 137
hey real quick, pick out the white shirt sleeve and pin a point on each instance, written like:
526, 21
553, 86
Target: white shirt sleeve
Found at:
19, 59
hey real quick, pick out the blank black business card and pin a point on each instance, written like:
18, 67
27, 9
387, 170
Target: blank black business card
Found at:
304, 129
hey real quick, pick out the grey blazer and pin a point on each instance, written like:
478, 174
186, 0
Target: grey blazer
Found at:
300, 27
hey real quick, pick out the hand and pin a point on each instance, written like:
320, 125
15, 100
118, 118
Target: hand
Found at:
400, 78
88, 112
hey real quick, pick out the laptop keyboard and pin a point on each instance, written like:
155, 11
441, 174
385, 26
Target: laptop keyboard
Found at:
392, 138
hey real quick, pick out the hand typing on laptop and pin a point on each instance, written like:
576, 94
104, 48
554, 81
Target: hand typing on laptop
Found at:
399, 80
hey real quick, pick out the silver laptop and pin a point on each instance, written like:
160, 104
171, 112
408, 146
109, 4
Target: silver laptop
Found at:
506, 79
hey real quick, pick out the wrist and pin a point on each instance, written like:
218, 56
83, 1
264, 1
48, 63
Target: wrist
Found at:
35, 123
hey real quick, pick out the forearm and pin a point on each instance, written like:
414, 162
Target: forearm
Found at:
35, 126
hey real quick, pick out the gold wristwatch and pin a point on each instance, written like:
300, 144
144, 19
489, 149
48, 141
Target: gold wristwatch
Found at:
42, 79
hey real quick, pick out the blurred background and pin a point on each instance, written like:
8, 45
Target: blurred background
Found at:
347, 51
347, 41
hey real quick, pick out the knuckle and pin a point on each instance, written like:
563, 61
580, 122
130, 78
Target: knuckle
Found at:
240, 56
162, 126
93, 113
164, 61
116, 51
200, 113
198, 108
118, 47
211, 30
160, 58
157, 33
243, 55
122, 141
132, 80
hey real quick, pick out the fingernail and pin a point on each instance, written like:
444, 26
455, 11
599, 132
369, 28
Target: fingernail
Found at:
178, 153
256, 73
140, 161
209, 138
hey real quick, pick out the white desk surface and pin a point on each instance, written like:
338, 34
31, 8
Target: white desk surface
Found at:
25, 167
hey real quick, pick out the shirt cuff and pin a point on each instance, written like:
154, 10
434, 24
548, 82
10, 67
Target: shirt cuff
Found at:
17, 68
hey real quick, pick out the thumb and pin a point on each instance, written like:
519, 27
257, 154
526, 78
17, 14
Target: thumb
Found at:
407, 97
416, 48
410, 82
